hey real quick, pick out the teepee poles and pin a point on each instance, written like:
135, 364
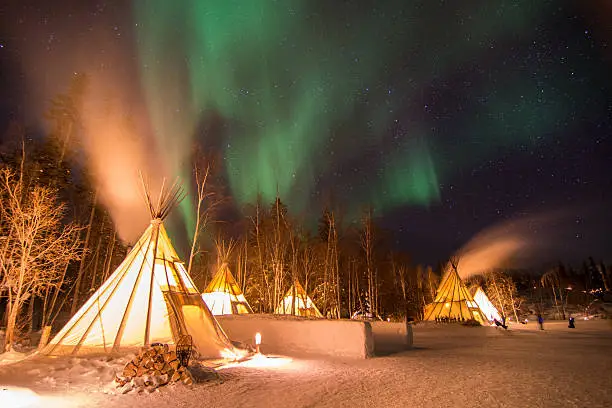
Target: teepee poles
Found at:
166, 201
452, 295
168, 198
155, 236
128, 308
116, 282
101, 309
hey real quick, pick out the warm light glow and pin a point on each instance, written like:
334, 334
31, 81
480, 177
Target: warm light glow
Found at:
486, 307
18, 397
220, 303
300, 305
261, 361
94, 326
447, 305
258, 338
229, 354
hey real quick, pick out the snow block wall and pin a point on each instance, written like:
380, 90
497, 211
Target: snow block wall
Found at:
391, 337
299, 336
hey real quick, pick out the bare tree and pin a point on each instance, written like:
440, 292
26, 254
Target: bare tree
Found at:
242, 264
502, 292
551, 279
309, 265
40, 244
258, 236
331, 268
367, 245
278, 249
202, 214
400, 276
77, 285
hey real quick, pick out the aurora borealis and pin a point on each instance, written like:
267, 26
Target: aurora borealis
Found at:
283, 90
445, 118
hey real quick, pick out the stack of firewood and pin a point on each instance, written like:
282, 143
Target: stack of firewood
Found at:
151, 368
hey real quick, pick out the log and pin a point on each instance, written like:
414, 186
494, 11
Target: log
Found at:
175, 364
186, 377
151, 368
141, 371
175, 377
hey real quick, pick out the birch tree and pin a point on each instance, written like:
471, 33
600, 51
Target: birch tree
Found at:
331, 269
37, 245
551, 280
502, 292
367, 245
203, 212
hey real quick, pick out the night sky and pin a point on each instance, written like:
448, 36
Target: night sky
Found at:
450, 118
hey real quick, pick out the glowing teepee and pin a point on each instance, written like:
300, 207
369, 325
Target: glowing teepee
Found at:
223, 295
485, 305
296, 302
149, 298
453, 300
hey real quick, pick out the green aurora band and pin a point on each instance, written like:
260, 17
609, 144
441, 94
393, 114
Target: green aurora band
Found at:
287, 79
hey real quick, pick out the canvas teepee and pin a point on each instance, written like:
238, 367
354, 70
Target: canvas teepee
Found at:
485, 305
453, 300
149, 298
296, 302
223, 295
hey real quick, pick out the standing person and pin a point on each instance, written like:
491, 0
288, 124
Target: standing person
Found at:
541, 321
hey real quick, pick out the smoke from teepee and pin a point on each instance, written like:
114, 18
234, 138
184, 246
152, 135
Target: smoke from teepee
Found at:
526, 242
115, 137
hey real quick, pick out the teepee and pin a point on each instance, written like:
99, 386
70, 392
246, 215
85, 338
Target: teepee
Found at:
223, 295
485, 305
453, 300
148, 299
296, 302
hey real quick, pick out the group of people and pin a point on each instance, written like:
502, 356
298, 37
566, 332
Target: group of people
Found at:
447, 319
459, 319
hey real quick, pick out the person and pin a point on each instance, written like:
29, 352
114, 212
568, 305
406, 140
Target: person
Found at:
500, 324
541, 321
571, 323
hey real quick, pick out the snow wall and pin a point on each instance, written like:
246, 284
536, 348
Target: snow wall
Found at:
301, 337
391, 337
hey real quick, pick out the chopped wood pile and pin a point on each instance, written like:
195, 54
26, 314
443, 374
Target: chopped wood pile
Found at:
153, 367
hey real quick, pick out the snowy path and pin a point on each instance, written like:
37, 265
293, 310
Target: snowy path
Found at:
451, 365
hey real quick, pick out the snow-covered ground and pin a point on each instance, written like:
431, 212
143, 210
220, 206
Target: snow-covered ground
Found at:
450, 366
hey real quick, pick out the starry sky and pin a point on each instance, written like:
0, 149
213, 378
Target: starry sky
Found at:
450, 119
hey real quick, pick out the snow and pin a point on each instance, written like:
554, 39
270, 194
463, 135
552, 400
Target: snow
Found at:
16, 397
11, 357
450, 365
